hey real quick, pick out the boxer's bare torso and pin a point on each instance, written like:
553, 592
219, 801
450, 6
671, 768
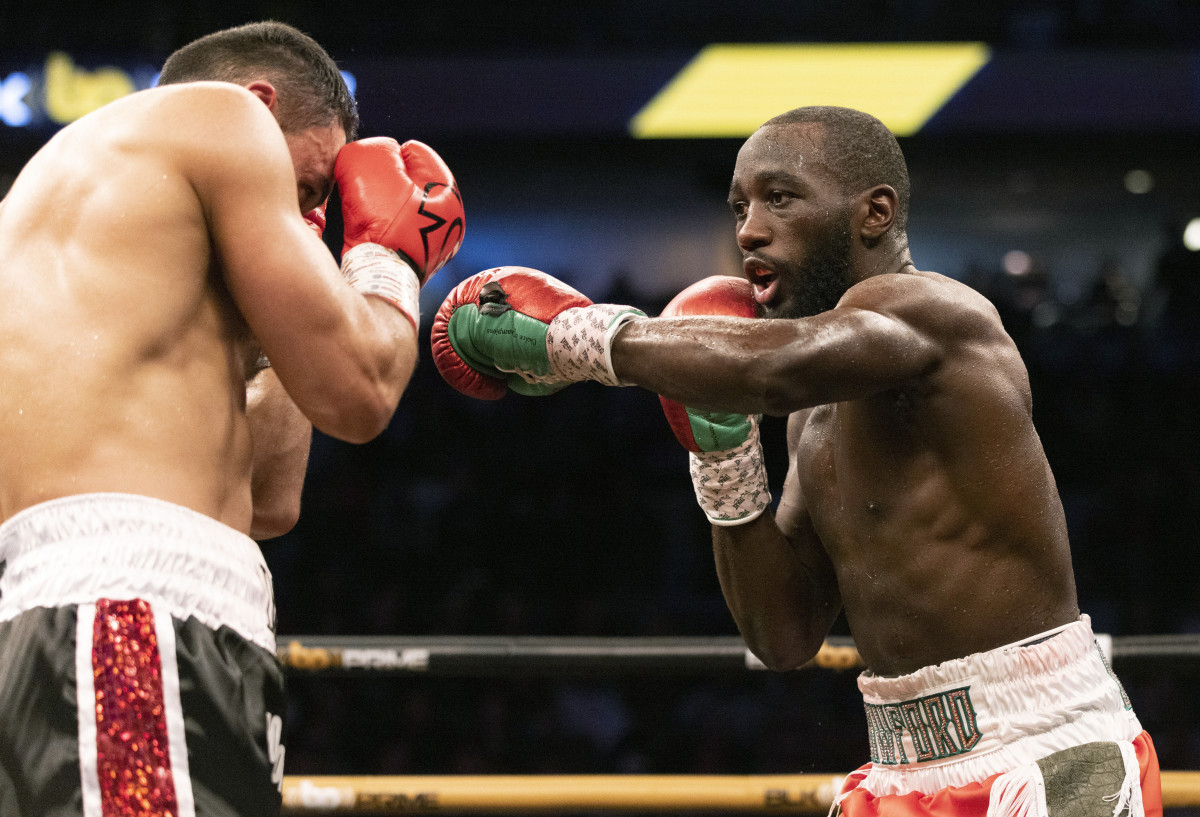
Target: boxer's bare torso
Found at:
933, 499
123, 358
918, 498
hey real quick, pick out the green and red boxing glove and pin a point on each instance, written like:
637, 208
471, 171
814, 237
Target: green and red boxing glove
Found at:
520, 329
403, 218
724, 452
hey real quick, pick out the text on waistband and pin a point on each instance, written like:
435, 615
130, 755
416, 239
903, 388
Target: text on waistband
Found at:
937, 726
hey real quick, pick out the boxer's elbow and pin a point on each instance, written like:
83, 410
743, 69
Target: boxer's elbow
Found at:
782, 651
275, 498
781, 660
275, 518
360, 408
358, 418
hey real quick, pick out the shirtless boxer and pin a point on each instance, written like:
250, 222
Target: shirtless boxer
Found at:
151, 254
918, 499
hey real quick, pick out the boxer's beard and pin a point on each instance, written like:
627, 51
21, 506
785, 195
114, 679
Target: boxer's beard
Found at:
817, 283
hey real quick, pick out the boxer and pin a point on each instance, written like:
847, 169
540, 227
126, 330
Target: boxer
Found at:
918, 500
154, 257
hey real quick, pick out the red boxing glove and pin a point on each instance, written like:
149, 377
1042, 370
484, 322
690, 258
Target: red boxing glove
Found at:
520, 329
492, 293
315, 218
725, 457
716, 295
402, 197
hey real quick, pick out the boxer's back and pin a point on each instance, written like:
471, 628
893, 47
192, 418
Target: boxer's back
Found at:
122, 360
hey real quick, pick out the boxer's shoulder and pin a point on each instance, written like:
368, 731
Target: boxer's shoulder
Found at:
206, 100
942, 311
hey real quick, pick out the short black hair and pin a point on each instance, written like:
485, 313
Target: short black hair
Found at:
858, 149
311, 90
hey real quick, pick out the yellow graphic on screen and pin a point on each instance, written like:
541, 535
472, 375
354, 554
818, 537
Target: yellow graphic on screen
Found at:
72, 92
728, 90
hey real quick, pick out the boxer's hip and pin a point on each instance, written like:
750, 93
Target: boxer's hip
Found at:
964, 720
78, 549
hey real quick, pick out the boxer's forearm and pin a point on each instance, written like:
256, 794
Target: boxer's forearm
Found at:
782, 611
716, 363
281, 436
776, 367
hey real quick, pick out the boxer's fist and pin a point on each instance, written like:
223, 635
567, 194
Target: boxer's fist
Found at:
725, 457
402, 197
520, 329
710, 431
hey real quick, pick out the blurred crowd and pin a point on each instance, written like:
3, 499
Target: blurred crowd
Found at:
573, 515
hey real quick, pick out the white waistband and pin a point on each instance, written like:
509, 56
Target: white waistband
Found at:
964, 720
80, 548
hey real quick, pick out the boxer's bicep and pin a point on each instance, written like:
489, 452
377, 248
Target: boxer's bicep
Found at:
335, 351
227, 145
267, 253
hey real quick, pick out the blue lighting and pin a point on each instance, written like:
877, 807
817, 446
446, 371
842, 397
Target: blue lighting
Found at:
13, 111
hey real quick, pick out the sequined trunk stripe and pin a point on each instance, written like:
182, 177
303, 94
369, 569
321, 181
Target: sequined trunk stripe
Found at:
132, 749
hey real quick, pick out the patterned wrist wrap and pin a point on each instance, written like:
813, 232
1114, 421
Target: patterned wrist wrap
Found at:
579, 340
731, 486
373, 269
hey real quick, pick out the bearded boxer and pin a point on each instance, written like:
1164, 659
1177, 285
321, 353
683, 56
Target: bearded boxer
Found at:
151, 254
918, 498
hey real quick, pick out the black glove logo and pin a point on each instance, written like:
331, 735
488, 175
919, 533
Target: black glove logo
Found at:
493, 300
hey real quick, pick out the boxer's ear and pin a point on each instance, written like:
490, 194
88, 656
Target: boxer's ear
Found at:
876, 211
264, 91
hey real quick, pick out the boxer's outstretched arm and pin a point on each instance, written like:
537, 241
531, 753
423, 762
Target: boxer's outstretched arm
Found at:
344, 359
878, 338
777, 579
281, 436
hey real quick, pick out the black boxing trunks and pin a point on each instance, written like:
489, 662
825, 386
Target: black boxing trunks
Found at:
1040, 727
138, 673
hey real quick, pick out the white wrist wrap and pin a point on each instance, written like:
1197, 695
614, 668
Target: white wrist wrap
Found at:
731, 486
579, 341
373, 269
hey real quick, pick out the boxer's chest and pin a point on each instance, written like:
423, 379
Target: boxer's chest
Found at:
856, 464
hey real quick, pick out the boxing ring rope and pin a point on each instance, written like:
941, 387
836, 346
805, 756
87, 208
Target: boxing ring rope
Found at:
562, 794
525, 656
517, 656
498, 794
493, 656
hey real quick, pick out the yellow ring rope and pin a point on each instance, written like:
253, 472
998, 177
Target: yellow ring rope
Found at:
493, 794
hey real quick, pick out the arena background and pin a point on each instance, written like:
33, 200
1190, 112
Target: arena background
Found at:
1057, 179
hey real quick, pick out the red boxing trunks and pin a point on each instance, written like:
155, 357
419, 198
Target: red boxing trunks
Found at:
1041, 727
138, 673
